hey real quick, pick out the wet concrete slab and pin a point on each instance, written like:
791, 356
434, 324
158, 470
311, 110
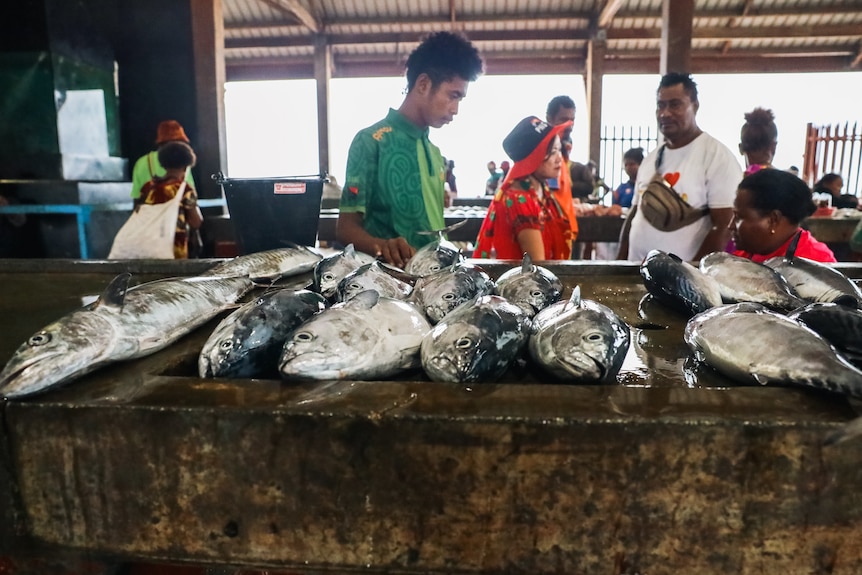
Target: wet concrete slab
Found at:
672, 469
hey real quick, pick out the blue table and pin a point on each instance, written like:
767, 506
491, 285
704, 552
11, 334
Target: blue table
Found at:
82, 213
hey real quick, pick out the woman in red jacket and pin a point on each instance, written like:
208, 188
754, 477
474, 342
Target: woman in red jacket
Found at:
524, 216
769, 206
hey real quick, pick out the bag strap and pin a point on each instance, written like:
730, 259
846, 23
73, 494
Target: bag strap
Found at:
659, 157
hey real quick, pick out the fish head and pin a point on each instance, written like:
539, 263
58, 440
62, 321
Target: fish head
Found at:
71, 346
371, 277
532, 292
327, 345
226, 351
456, 352
585, 346
442, 292
331, 270
433, 257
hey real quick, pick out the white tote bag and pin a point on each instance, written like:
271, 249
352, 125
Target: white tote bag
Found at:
149, 231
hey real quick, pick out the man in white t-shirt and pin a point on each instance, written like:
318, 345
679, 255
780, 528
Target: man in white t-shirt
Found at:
700, 168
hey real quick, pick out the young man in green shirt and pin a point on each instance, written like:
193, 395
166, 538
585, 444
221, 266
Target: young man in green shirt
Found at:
395, 175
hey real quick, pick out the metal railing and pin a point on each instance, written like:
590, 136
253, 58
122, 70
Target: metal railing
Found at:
836, 149
615, 141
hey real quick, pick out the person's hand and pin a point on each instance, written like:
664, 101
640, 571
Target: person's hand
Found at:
395, 251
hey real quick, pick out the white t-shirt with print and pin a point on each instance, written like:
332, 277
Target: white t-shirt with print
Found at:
709, 174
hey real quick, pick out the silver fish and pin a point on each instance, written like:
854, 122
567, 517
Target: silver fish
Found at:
817, 282
332, 269
439, 293
839, 325
269, 265
749, 343
740, 279
579, 340
436, 255
367, 337
530, 287
248, 342
679, 284
124, 323
373, 276
476, 342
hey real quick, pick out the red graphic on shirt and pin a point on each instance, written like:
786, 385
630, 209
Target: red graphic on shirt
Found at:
353, 190
671, 178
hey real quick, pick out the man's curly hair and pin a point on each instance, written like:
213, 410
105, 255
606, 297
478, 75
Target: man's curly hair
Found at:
443, 56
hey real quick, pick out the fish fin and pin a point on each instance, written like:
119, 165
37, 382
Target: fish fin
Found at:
440, 233
574, 299
674, 257
365, 299
397, 272
115, 294
847, 301
526, 264
791, 248
349, 251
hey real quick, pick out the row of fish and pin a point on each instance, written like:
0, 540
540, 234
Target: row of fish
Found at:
787, 321
359, 319
457, 324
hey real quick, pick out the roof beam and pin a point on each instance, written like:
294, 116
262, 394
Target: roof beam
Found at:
609, 10
296, 10
703, 33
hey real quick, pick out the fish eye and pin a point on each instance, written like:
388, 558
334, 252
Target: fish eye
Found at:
449, 297
40, 338
328, 276
354, 286
593, 337
434, 267
303, 336
536, 293
463, 343
227, 344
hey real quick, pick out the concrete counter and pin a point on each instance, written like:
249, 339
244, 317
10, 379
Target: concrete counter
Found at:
672, 470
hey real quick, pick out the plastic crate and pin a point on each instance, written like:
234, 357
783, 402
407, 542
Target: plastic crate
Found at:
270, 213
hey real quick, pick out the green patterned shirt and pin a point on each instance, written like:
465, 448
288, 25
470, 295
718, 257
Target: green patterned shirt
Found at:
395, 178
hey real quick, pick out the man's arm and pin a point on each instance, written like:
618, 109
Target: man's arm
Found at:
623, 253
349, 230
718, 236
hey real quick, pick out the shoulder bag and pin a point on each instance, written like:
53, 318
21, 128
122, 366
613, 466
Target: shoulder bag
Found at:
149, 232
663, 207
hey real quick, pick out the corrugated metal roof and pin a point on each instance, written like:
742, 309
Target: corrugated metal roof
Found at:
275, 38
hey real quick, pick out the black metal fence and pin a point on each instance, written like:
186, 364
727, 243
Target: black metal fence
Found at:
615, 141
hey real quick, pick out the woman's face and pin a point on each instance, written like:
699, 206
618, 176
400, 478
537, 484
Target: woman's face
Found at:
550, 168
751, 231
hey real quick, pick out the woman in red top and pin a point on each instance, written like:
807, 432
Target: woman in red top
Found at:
524, 216
767, 211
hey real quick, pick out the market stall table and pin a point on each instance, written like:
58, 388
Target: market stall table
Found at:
673, 469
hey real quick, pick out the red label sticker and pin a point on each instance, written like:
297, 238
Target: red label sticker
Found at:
289, 188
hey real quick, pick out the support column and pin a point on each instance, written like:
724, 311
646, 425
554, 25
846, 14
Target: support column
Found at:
676, 17
595, 72
322, 75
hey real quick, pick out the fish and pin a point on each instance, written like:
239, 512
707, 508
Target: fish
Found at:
269, 265
248, 342
839, 325
476, 342
436, 255
815, 281
749, 343
678, 284
530, 287
368, 337
123, 323
332, 269
741, 279
579, 340
375, 276
439, 293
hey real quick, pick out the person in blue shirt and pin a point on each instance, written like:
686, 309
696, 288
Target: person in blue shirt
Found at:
625, 192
